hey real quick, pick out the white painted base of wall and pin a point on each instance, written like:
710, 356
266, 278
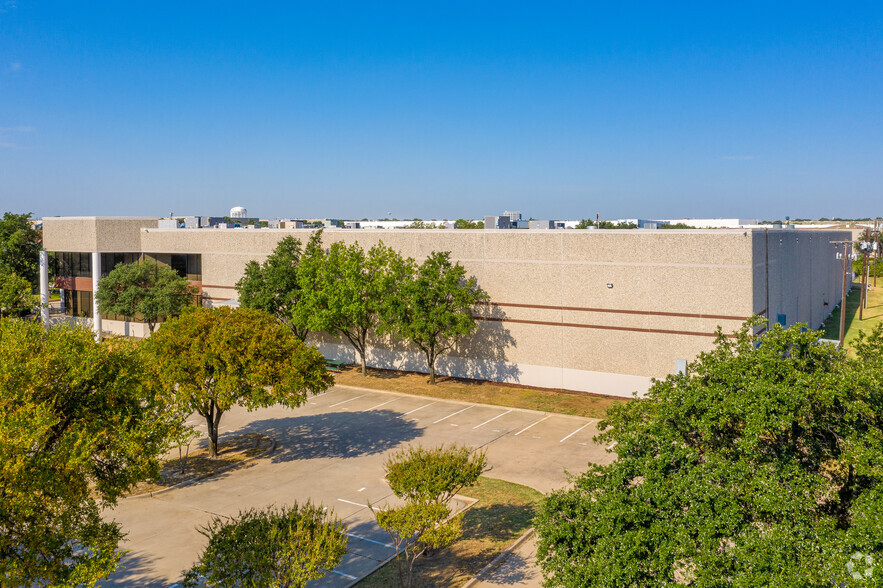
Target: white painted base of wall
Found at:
610, 384
129, 329
541, 376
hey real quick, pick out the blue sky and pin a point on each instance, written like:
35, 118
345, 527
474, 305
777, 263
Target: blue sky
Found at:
435, 110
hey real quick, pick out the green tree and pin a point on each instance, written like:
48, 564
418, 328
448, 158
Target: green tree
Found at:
351, 291
215, 359
275, 285
418, 474
15, 295
585, 223
426, 480
282, 547
434, 308
20, 245
144, 289
80, 423
462, 223
415, 528
762, 467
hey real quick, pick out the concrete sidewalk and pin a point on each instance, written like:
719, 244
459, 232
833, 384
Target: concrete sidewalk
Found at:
518, 569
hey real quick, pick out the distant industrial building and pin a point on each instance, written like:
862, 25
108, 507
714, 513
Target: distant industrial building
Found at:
601, 311
497, 222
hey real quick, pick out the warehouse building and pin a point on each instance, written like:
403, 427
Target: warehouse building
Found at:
595, 311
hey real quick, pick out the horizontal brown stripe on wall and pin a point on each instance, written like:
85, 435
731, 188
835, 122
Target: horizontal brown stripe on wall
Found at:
621, 311
602, 327
724, 317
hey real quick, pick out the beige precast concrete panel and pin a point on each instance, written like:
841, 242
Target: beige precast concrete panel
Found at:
89, 233
70, 234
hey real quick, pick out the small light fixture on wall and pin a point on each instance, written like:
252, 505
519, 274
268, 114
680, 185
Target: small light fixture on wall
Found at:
609, 285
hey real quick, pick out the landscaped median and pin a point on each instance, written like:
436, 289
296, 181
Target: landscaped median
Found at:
191, 466
508, 395
504, 511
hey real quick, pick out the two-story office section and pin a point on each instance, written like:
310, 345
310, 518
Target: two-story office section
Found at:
602, 311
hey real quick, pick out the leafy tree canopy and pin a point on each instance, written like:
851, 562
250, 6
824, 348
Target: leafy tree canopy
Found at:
215, 359
275, 286
414, 528
434, 308
462, 223
426, 479
80, 423
20, 245
762, 467
418, 474
351, 289
144, 289
282, 547
586, 223
15, 295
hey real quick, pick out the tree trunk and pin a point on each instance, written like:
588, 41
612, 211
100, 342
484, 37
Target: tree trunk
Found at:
364, 364
430, 361
212, 438
213, 420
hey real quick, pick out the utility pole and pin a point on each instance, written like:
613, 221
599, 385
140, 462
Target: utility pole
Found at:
877, 244
846, 246
863, 301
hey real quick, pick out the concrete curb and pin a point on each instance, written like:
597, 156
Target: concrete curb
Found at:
204, 476
464, 402
468, 503
499, 560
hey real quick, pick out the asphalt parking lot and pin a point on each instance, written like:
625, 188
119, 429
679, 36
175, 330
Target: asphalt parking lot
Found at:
331, 451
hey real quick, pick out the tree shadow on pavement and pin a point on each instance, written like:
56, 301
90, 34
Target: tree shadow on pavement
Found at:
335, 435
515, 570
135, 569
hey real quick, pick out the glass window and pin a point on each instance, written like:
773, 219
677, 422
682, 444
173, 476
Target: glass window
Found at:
78, 303
194, 267
178, 263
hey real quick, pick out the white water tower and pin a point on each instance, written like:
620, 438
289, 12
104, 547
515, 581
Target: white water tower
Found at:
238, 212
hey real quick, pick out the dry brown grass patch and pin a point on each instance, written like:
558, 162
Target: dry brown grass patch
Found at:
509, 395
198, 465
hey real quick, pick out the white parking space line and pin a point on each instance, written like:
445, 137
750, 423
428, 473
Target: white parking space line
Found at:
311, 398
492, 420
575, 432
370, 540
530, 425
416, 409
450, 415
379, 405
353, 503
345, 401
347, 576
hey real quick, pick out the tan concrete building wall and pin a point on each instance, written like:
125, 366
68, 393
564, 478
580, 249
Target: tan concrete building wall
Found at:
91, 233
553, 321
